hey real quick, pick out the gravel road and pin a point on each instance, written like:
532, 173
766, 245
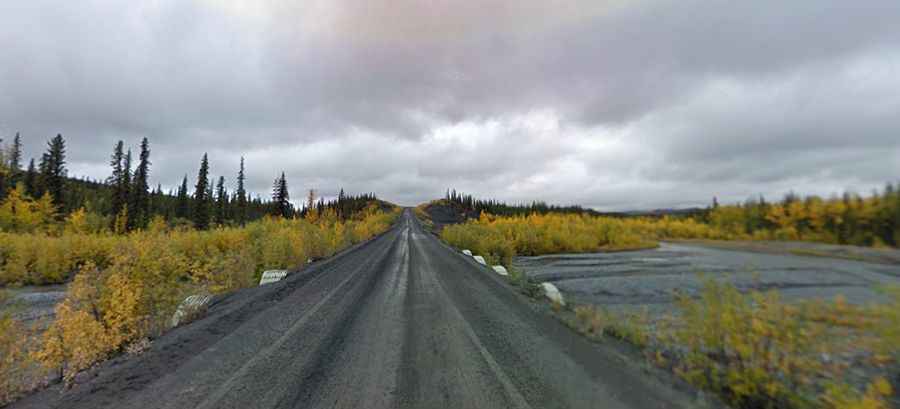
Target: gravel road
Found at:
399, 321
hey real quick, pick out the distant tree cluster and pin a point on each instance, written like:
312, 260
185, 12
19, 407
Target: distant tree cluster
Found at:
848, 219
344, 206
48, 177
469, 203
125, 201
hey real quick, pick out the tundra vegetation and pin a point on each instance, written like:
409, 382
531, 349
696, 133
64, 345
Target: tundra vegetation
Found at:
131, 255
753, 349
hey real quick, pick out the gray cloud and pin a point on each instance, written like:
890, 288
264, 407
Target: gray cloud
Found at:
609, 104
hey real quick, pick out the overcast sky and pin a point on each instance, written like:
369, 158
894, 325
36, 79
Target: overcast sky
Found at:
610, 104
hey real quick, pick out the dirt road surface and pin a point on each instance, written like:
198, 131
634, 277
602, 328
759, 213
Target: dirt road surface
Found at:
401, 321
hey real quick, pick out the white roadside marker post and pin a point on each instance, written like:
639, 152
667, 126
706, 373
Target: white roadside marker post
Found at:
190, 309
553, 293
272, 276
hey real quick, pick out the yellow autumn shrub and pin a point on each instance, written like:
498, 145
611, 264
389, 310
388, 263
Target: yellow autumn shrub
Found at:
753, 348
77, 337
13, 357
125, 312
501, 238
37, 258
22, 214
74, 342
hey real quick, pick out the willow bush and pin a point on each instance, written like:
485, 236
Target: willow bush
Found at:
501, 238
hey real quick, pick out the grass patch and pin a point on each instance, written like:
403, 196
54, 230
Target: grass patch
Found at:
525, 285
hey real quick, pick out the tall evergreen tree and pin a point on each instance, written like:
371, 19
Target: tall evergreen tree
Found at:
241, 196
53, 170
221, 201
310, 201
201, 196
15, 157
158, 204
31, 179
281, 197
211, 200
40, 184
118, 179
126, 168
139, 209
183, 206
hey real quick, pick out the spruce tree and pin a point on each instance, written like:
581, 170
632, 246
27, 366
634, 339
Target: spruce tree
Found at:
281, 197
15, 158
241, 196
201, 196
221, 201
31, 179
341, 204
53, 170
126, 172
139, 209
211, 200
117, 180
125, 213
183, 207
310, 202
158, 204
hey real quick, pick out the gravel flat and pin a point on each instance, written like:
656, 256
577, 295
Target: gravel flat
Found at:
401, 321
34, 305
650, 278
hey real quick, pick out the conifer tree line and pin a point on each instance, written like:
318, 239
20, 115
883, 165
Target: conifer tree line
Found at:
126, 200
344, 206
469, 203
